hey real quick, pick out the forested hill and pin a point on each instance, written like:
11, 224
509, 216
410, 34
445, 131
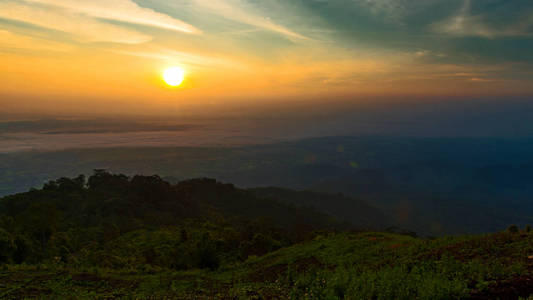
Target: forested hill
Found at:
69, 215
350, 209
112, 236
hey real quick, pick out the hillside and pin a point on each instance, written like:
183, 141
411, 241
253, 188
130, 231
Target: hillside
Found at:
73, 219
349, 209
113, 236
331, 266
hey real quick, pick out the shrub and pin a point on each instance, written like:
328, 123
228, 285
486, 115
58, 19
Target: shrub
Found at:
207, 256
22, 250
6, 245
512, 229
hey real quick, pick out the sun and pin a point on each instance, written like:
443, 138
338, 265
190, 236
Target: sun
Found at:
174, 76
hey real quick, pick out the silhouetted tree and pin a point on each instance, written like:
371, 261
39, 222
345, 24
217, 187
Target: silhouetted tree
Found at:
41, 223
512, 229
21, 250
71, 185
207, 256
6, 245
183, 235
261, 244
106, 183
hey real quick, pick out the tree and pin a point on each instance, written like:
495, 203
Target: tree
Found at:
184, 236
512, 229
150, 189
71, 185
8, 223
261, 244
41, 222
6, 246
22, 250
206, 251
105, 182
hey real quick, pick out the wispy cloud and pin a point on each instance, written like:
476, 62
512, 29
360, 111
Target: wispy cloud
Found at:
9, 40
83, 19
243, 12
482, 80
466, 24
82, 28
179, 57
122, 10
394, 10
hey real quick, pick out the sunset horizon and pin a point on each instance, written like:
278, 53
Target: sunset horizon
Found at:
62, 55
266, 149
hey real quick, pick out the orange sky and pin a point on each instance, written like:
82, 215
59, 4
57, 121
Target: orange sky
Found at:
66, 55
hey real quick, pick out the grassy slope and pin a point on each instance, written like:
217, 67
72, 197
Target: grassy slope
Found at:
355, 265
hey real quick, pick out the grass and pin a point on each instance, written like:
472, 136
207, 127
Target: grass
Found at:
369, 265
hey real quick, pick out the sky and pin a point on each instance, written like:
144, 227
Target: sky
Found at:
100, 56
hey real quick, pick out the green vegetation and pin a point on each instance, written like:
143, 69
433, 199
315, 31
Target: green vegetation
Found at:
117, 237
331, 266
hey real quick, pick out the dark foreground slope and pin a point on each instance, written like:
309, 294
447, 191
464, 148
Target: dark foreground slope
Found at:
332, 266
141, 237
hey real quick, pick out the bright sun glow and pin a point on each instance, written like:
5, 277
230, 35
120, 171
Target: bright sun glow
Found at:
174, 76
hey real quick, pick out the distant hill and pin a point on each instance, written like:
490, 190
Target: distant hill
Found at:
153, 201
434, 186
349, 209
71, 215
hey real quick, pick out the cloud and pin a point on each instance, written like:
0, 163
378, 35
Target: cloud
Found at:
9, 40
393, 9
466, 24
83, 19
233, 10
122, 10
84, 29
482, 80
179, 57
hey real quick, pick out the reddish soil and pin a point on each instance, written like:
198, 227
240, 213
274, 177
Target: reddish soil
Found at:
273, 272
479, 248
510, 289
